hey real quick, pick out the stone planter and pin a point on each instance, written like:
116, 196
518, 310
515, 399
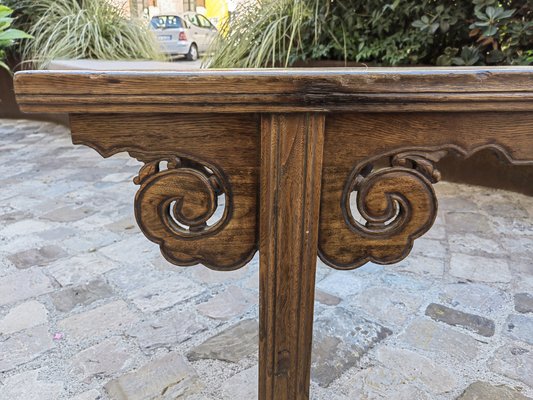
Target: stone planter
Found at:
9, 107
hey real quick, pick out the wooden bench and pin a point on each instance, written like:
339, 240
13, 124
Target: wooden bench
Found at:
288, 149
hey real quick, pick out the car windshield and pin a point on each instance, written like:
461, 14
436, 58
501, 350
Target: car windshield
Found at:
166, 21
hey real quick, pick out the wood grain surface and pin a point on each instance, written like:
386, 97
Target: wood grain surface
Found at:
271, 90
359, 158
291, 164
228, 147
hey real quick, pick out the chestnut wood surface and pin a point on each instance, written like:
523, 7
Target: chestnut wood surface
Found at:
271, 90
395, 192
229, 147
297, 163
291, 164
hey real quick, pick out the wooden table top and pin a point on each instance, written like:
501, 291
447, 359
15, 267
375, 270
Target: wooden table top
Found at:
278, 90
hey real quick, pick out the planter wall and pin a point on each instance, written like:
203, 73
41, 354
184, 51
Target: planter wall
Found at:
10, 109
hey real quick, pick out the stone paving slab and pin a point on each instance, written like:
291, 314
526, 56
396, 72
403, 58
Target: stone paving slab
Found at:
89, 310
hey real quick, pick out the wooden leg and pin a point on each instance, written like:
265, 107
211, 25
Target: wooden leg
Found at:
291, 165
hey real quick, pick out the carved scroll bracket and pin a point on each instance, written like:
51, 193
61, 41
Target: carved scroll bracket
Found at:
395, 198
184, 197
387, 202
177, 206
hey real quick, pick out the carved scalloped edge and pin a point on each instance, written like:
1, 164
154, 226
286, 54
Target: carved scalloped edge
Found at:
139, 154
147, 157
465, 153
188, 262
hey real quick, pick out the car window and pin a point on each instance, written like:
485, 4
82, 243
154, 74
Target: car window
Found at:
204, 22
169, 22
193, 19
173, 22
157, 22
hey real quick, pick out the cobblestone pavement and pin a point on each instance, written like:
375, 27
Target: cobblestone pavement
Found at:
90, 310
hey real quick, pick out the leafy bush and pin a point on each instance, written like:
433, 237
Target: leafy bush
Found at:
76, 29
381, 32
8, 35
499, 32
264, 33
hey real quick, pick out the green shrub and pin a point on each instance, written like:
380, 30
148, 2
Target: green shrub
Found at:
76, 29
393, 32
8, 35
265, 33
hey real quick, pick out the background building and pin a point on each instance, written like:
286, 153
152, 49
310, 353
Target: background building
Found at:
216, 10
155, 7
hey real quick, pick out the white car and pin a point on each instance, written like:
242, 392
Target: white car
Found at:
187, 35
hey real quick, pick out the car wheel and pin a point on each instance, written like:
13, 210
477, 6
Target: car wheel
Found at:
192, 55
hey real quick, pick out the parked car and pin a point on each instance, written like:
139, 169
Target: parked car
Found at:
188, 35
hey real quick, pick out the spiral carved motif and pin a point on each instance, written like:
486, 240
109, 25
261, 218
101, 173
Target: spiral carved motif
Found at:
184, 197
395, 198
396, 203
177, 207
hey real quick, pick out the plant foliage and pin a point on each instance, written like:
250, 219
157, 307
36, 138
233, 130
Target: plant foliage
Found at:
77, 29
8, 35
380, 32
